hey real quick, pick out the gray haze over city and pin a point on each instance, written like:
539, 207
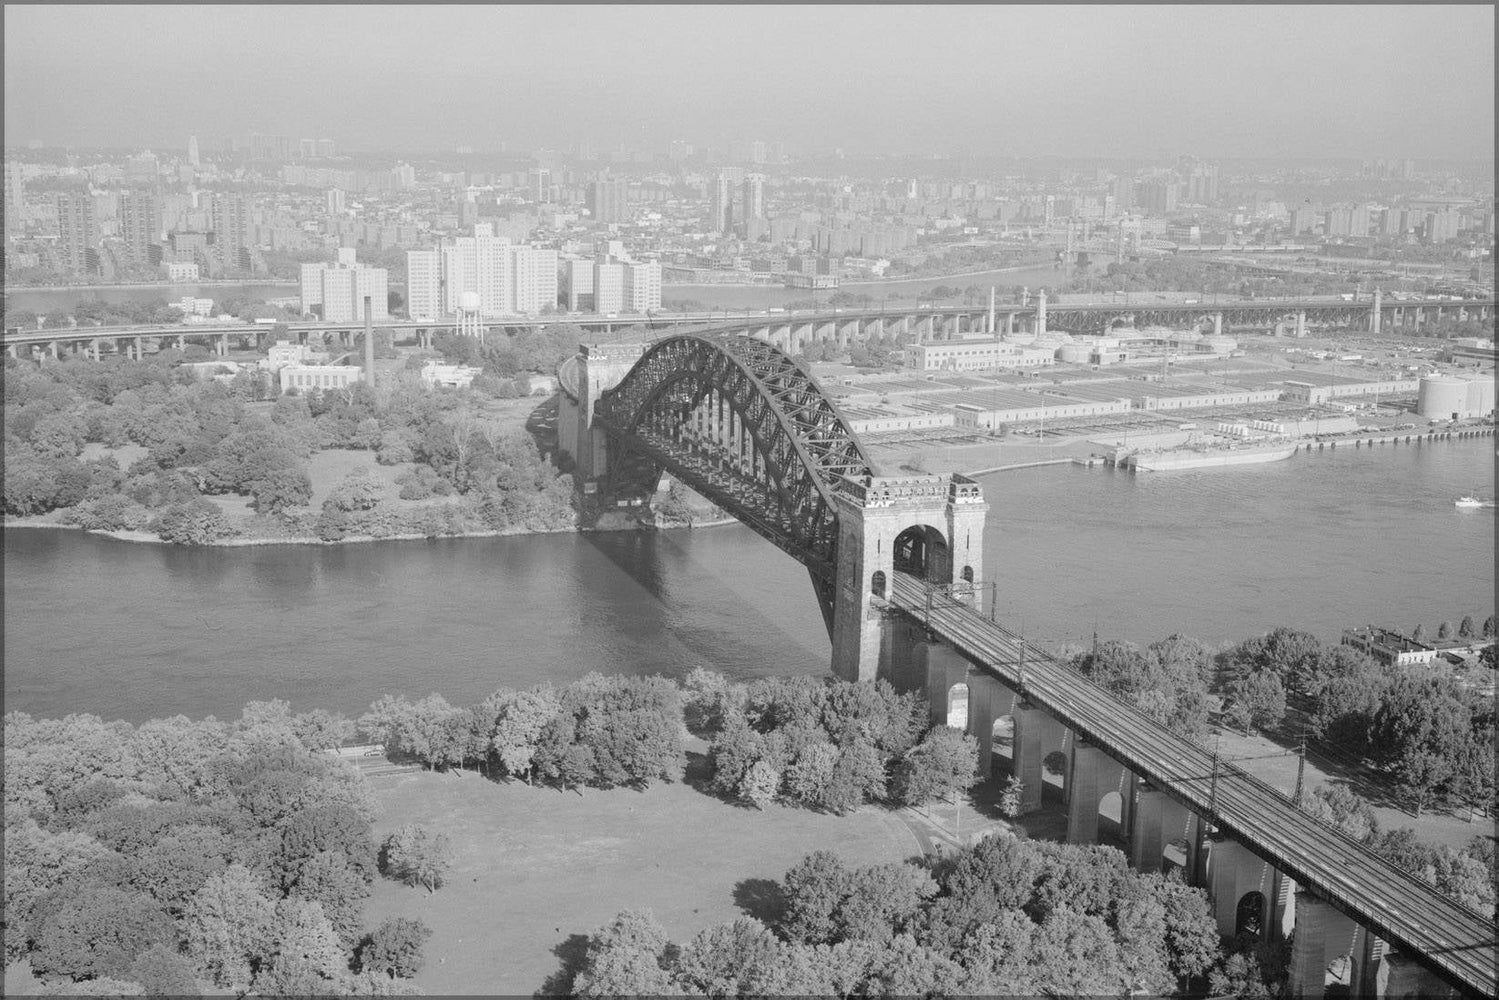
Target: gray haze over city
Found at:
1240, 81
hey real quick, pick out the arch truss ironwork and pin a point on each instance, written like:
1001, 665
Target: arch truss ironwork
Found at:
747, 427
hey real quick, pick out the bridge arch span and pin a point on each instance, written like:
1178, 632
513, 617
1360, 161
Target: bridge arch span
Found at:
745, 425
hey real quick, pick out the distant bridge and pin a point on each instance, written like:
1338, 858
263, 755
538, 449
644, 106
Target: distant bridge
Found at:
896, 566
791, 331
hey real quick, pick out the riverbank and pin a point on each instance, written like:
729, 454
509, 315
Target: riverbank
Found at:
51, 520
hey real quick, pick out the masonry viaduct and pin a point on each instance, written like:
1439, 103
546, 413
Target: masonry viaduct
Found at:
896, 566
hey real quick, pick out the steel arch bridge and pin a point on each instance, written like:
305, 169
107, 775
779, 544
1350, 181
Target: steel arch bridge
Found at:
747, 427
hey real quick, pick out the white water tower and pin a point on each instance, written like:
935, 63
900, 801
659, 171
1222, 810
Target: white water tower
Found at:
469, 323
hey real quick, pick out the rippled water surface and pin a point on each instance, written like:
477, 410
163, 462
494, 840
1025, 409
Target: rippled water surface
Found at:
1319, 542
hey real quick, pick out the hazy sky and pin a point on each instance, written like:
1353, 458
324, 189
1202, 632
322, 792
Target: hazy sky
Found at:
1256, 80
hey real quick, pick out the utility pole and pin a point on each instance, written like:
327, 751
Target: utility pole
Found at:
1300, 767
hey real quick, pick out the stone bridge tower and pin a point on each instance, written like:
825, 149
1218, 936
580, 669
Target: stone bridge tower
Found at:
927, 526
594, 369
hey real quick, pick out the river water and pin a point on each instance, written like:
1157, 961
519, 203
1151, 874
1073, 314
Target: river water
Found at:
1318, 542
44, 300
759, 297
755, 297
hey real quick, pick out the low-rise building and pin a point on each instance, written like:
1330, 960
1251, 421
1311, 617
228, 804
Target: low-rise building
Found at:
284, 352
195, 307
306, 378
453, 376
1388, 646
976, 354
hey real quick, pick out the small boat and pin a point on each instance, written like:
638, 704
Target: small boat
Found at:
1472, 502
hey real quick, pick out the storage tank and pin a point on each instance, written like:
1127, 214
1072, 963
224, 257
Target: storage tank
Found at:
1480, 396
1440, 396
1075, 354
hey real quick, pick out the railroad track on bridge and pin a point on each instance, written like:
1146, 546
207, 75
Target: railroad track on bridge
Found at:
1452, 940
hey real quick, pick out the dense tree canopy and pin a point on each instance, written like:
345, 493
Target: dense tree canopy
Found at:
1005, 917
184, 857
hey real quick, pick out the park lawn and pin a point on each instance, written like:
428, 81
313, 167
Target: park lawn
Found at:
535, 868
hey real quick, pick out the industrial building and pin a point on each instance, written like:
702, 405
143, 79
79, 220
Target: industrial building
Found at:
1455, 397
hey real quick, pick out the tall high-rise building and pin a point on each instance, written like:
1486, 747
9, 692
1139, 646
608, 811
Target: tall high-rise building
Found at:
1202, 184
341, 287
507, 278
423, 284
642, 287
720, 204
1158, 195
232, 233
578, 282
78, 224
1124, 193
140, 224
754, 196
608, 286
533, 277
192, 151
679, 150
335, 201
607, 200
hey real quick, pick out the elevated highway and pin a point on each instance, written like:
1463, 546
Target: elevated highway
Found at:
790, 331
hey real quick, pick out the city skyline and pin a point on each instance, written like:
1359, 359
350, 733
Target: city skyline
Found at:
1065, 81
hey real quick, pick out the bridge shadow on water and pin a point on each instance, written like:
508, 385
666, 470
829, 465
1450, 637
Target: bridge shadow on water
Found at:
701, 605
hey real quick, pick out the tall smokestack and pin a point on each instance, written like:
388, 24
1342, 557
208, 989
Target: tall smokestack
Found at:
991, 310
369, 343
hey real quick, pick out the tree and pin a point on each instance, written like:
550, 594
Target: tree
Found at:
943, 764
624, 958
164, 973
814, 890
307, 957
99, 931
395, 948
1444, 631
1488, 627
519, 721
1465, 628
1010, 797
359, 490
1287, 653
760, 784
227, 927
417, 856
1339, 806
883, 901
1419, 733
1419, 632
1257, 701
281, 489
742, 958
196, 522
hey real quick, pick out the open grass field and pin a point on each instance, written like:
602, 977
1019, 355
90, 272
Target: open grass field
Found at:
536, 870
